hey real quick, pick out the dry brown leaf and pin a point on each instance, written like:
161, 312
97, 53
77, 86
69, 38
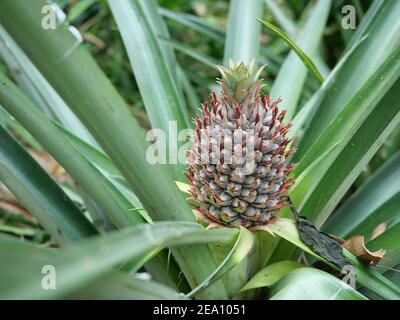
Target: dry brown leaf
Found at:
6, 194
99, 43
379, 229
15, 208
11, 207
356, 245
47, 162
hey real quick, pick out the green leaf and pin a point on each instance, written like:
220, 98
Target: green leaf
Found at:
93, 154
111, 176
299, 190
394, 275
77, 78
383, 38
390, 242
293, 72
93, 95
287, 229
38, 89
374, 281
240, 250
286, 23
212, 31
306, 60
84, 172
10, 123
289, 26
392, 144
215, 32
271, 274
184, 187
360, 135
312, 284
242, 41
206, 60
302, 187
153, 71
82, 264
367, 22
79, 8
40, 194
115, 286
191, 95
306, 112
159, 28
375, 202
366, 276
21, 232
115, 198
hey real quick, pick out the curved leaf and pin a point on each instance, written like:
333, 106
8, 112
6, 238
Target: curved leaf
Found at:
383, 38
84, 172
218, 34
115, 286
360, 135
390, 242
82, 264
40, 194
77, 78
193, 22
206, 60
287, 24
373, 203
365, 275
242, 41
306, 60
271, 274
303, 116
152, 66
240, 250
312, 284
149, 62
293, 72
38, 89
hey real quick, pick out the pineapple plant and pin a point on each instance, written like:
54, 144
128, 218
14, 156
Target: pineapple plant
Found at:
90, 78
239, 157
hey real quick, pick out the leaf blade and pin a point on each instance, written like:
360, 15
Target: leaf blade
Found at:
79, 265
242, 41
313, 284
272, 273
40, 194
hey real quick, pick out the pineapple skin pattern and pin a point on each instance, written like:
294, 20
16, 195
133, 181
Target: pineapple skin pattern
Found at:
238, 161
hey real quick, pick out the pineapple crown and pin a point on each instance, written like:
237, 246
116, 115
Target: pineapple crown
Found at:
240, 82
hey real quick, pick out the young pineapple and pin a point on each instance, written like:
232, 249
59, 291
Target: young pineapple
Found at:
238, 163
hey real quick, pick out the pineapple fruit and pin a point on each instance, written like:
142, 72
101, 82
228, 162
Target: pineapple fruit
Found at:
238, 162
